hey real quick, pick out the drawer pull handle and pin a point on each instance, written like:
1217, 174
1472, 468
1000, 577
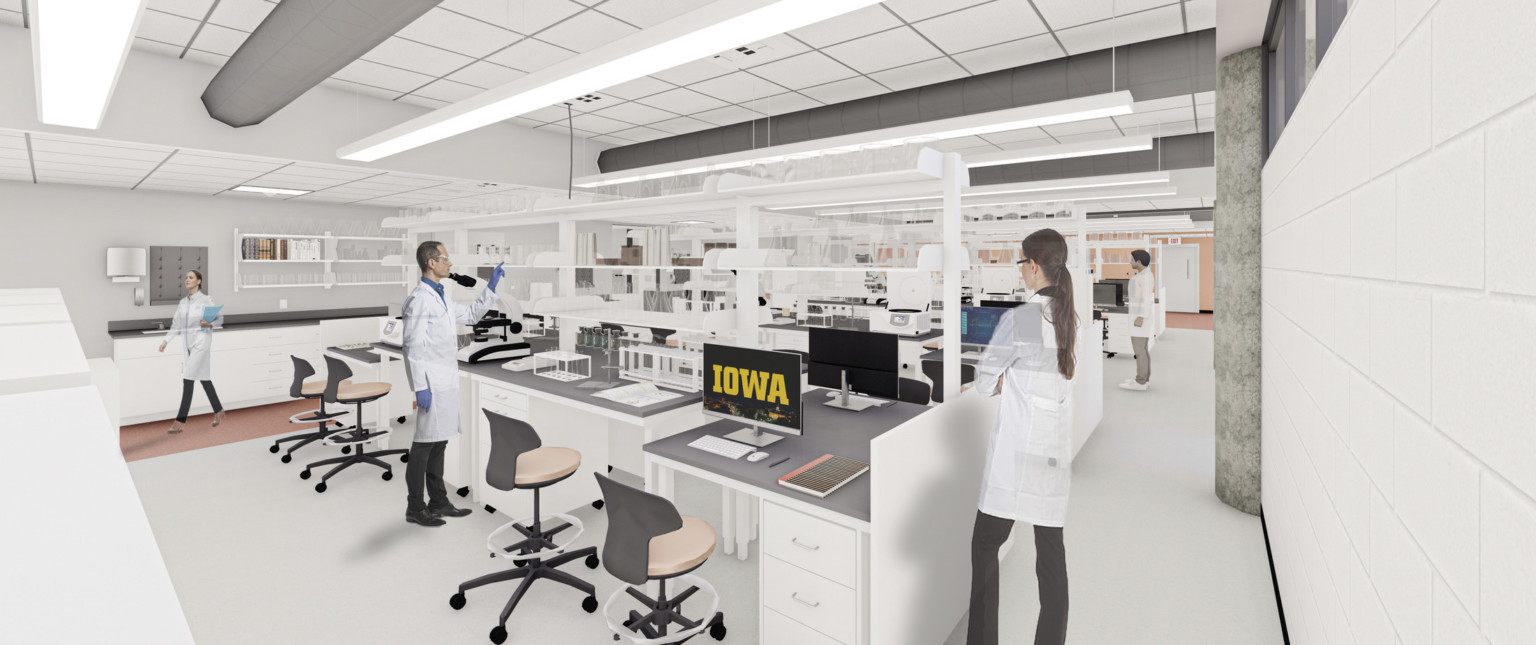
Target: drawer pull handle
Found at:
796, 596
808, 547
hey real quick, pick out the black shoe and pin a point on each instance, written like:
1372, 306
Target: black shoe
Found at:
447, 510
423, 518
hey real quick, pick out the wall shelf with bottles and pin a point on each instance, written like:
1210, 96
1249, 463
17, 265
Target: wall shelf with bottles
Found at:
308, 252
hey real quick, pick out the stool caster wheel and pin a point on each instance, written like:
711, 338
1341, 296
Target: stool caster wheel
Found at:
457, 601
405, 458
287, 458
346, 450
388, 475
589, 604
592, 561
615, 637
519, 563
304, 474
597, 504
717, 630
498, 635
273, 449
490, 509
463, 491
320, 487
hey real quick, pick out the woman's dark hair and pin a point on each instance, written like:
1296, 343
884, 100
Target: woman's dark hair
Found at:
202, 285
1048, 250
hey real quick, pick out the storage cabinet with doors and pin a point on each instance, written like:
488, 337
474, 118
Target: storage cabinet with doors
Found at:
814, 580
249, 367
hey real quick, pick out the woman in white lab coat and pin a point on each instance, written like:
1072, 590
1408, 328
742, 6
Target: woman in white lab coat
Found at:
1028, 470
197, 344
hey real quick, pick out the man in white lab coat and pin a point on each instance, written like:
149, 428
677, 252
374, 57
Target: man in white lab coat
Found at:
1142, 306
432, 369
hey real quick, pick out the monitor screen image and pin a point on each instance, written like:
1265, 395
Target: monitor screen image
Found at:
978, 323
1106, 294
758, 386
869, 360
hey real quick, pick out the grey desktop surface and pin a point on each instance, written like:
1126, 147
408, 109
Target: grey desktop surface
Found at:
571, 390
131, 328
1113, 310
858, 324
827, 431
361, 355
938, 355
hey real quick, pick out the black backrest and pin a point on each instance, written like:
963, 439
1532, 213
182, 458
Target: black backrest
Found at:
301, 370
634, 517
659, 335
912, 391
336, 371
510, 438
934, 370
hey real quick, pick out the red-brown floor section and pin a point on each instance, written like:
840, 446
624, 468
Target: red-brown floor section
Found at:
147, 440
1189, 321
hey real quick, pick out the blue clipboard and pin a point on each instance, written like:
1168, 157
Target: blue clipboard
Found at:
211, 312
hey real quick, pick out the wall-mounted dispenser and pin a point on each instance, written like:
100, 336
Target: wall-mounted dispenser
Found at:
126, 264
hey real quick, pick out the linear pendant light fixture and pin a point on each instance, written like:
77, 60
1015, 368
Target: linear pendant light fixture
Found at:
704, 32
78, 49
1061, 151
1029, 116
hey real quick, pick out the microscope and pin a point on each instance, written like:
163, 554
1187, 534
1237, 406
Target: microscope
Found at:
485, 346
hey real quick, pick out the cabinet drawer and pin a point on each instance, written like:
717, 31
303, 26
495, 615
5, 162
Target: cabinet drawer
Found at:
809, 599
779, 629
272, 336
498, 397
146, 347
810, 543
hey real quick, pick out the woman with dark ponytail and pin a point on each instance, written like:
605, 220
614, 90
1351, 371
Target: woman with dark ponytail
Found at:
1030, 362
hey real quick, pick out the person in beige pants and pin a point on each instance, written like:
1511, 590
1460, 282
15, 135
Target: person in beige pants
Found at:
1141, 304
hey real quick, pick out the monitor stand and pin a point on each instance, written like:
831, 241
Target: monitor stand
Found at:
844, 402
753, 436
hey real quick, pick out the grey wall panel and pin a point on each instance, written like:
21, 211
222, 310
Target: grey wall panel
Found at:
1154, 69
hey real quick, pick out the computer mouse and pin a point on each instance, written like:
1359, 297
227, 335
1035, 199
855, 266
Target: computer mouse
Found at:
757, 456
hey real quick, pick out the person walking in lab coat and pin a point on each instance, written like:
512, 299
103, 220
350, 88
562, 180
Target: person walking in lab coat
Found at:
432, 370
1028, 470
197, 343
1142, 306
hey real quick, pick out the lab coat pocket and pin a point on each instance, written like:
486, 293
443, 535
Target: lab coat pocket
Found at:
1044, 459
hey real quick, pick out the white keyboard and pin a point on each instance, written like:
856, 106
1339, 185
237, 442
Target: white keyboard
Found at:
723, 447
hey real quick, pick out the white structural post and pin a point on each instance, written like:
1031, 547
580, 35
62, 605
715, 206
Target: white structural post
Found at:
567, 283
955, 261
748, 283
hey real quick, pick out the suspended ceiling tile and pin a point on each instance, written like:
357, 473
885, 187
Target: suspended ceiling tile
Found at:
1207, 202
53, 169
524, 17
915, 10
682, 101
445, 90
590, 102
327, 172
961, 143
638, 88
397, 181
1205, 125
180, 174
1026, 134
324, 197
887, 49
608, 138
1129, 206
155, 46
44, 146
1143, 119
682, 125
530, 55
359, 88
207, 58
1131, 28
219, 40
382, 76
411, 55
244, 15
1086, 136
547, 114
1061, 14
738, 87
194, 9
982, 25
560, 129
1205, 111
1185, 202
1024, 51
1176, 129
847, 26
1081, 127
486, 74
166, 28
804, 70
845, 90
927, 72
586, 31
1205, 98
599, 125
728, 115
422, 101
458, 33
635, 113
1200, 14
693, 72
763, 51
291, 182
642, 134
648, 13
224, 161
88, 182
1166, 103
526, 123
783, 103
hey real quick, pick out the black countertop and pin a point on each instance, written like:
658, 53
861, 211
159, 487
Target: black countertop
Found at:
361, 354
237, 322
938, 355
827, 431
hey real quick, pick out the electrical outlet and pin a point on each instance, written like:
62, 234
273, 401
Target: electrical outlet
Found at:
282, 303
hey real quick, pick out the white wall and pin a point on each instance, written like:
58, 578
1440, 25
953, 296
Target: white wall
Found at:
157, 101
1400, 331
57, 236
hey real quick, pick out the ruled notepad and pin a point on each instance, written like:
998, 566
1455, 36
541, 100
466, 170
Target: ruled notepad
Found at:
824, 475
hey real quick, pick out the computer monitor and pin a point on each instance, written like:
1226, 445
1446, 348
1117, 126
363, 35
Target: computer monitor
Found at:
1108, 294
755, 386
978, 323
858, 361
1001, 304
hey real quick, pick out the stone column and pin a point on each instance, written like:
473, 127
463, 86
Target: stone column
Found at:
1239, 204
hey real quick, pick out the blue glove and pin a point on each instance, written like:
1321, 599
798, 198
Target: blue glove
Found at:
424, 399
496, 276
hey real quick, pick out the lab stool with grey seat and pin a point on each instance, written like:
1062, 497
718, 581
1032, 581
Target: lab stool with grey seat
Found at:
649, 540
356, 435
321, 418
520, 460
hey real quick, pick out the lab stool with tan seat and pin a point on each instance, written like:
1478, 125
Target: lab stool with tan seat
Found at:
355, 436
649, 540
520, 460
321, 418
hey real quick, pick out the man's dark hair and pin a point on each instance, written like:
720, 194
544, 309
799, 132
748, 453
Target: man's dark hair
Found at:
1143, 257
426, 251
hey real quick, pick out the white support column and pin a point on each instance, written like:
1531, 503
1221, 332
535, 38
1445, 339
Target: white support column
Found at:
566, 285
955, 261
748, 283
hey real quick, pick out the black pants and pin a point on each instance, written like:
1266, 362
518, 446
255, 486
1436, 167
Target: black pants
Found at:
1050, 570
186, 398
425, 468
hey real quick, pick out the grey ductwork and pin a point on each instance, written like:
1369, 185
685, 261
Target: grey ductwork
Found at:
1153, 69
301, 43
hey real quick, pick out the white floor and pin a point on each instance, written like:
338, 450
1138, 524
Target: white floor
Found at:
258, 557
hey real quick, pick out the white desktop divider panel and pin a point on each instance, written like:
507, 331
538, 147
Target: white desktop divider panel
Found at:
42, 356
926, 484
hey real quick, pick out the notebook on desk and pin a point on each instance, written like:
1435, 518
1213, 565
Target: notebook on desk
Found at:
824, 475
